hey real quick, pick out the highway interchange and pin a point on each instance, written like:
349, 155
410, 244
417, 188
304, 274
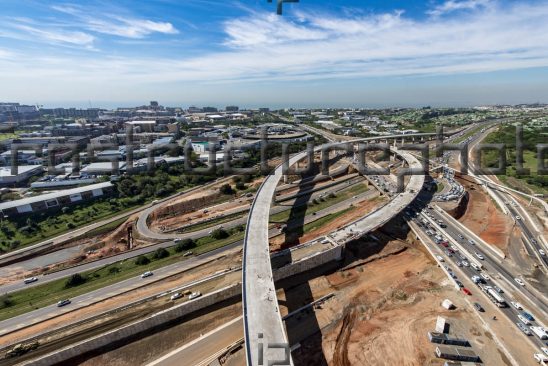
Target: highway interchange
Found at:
420, 216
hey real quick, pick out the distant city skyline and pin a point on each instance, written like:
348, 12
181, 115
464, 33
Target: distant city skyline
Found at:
212, 52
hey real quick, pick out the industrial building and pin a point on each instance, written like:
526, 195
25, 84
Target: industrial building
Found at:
24, 172
457, 354
443, 338
55, 199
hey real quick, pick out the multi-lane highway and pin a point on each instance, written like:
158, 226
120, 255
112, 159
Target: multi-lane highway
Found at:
453, 257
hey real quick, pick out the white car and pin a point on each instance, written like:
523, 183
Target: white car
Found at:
479, 256
516, 304
194, 295
147, 274
545, 350
465, 263
485, 276
540, 358
176, 296
440, 258
519, 281
30, 280
518, 217
542, 252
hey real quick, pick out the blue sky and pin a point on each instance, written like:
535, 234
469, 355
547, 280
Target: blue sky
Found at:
318, 53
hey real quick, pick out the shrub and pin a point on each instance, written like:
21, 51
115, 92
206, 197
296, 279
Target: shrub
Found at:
114, 270
70, 225
5, 301
226, 189
185, 245
219, 234
240, 186
75, 280
160, 253
142, 260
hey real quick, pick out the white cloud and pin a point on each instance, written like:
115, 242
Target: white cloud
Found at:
130, 28
455, 5
122, 26
56, 36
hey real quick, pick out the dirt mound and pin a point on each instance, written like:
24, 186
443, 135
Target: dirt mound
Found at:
483, 218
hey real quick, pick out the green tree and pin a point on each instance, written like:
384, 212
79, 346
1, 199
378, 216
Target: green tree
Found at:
160, 253
219, 234
185, 245
142, 260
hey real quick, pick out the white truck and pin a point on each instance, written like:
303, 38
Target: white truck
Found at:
539, 332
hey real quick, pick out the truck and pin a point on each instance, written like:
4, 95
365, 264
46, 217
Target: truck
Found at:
539, 332
496, 298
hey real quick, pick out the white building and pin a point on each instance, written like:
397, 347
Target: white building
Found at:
24, 172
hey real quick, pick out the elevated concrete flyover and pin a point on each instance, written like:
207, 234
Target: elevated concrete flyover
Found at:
263, 324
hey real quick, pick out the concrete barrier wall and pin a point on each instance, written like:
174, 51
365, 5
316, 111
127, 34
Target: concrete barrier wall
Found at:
308, 263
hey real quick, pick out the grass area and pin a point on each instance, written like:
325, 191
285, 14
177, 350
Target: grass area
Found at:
5, 136
211, 223
317, 224
319, 204
105, 228
468, 134
532, 183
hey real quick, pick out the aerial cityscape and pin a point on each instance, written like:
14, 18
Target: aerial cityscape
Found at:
215, 183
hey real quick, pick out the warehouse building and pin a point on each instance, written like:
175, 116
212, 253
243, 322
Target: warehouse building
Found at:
457, 354
55, 199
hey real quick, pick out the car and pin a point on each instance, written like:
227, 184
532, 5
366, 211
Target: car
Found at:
471, 242
518, 217
147, 274
523, 319
448, 253
516, 304
63, 303
540, 358
545, 350
498, 289
194, 295
528, 316
459, 264
542, 252
460, 284
519, 281
30, 280
524, 328
465, 263
177, 240
455, 249
477, 279
440, 258
460, 236
187, 254
478, 307
466, 291
479, 256
176, 296
485, 276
